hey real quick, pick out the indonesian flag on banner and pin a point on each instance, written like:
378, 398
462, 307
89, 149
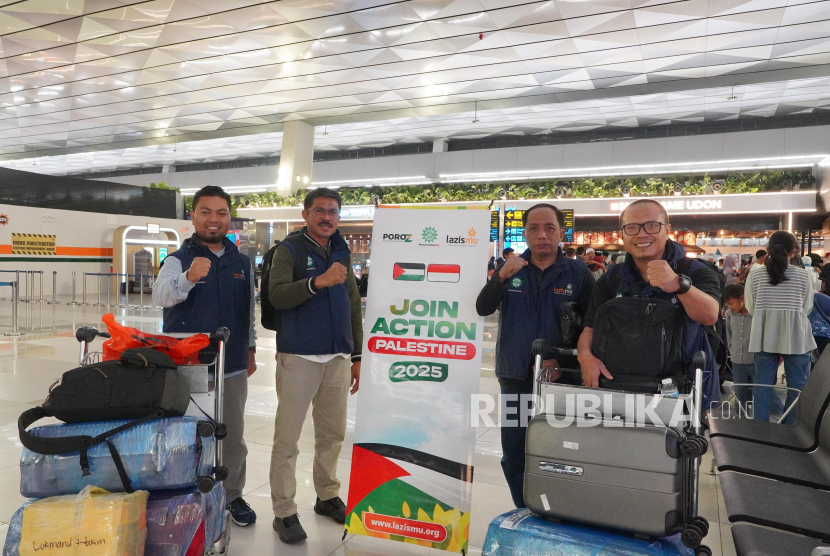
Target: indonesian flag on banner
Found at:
444, 273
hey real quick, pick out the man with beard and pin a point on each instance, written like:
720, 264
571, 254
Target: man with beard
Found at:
319, 344
206, 284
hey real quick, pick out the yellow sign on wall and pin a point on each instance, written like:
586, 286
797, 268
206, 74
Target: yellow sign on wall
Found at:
33, 244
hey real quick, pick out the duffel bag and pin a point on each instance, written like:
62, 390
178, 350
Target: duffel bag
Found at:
143, 385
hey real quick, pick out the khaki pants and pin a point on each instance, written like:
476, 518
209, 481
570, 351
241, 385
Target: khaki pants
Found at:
234, 450
301, 383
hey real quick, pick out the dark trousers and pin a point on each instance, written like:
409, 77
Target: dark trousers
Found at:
513, 433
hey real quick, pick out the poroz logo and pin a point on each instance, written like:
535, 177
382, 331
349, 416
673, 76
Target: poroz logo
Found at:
3, 219
398, 238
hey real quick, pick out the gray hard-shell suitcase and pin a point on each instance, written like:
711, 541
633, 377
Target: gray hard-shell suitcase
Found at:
642, 479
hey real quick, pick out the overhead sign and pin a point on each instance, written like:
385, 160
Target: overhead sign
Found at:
33, 244
411, 477
514, 228
494, 224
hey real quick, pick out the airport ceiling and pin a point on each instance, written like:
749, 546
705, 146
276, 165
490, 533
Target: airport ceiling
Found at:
91, 85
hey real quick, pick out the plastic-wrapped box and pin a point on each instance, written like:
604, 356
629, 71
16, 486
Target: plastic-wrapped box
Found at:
175, 527
523, 533
159, 454
93, 522
179, 505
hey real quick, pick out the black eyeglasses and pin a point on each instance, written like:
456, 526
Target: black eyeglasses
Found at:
650, 228
320, 211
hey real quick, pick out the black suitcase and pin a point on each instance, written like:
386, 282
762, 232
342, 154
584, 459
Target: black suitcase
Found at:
640, 479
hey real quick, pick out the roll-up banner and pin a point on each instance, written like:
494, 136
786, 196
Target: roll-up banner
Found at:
412, 463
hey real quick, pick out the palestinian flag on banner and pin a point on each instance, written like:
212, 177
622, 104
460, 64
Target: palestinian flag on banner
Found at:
412, 272
444, 273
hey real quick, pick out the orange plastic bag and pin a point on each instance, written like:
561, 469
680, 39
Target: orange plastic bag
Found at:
183, 352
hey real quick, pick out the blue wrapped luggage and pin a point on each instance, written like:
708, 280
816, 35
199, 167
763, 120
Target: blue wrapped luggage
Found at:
522, 533
166, 453
173, 521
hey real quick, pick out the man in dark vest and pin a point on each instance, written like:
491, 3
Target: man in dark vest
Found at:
206, 284
528, 290
319, 342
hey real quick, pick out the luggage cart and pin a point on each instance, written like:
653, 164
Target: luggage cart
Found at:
205, 401
693, 447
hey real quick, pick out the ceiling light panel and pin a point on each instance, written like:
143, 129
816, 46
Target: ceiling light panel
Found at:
115, 74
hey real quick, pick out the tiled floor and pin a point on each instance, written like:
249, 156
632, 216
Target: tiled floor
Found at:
29, 364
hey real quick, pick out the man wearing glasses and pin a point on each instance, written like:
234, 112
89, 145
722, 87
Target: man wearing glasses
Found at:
652, 269
319, 346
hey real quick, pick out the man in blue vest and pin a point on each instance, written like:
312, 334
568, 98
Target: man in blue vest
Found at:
204, 285
319, 342
528, 290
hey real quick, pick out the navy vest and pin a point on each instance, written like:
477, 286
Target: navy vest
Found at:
530, 310
322, 324
222, 298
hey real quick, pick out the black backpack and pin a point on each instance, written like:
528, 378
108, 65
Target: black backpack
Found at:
143, 385
270, 318
639, 339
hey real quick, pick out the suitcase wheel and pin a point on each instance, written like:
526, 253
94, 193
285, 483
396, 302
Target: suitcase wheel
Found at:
205, 429
205, 484
221, 431
221, 473
702, 524
703, 550
691, 537
694, 447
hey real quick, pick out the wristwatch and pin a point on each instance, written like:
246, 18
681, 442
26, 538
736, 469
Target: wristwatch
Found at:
685, 284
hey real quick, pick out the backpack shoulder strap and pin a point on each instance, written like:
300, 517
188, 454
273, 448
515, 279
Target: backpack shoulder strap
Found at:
614, 279
300, 253
683, 265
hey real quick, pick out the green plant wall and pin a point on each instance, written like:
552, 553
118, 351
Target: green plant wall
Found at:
654, 186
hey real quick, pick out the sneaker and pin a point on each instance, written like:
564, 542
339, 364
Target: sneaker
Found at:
334, 508
289, 529
241, 513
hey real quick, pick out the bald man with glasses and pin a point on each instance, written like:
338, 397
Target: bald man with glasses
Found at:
652, 269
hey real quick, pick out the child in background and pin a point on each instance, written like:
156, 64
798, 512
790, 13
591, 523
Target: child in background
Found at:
738, 327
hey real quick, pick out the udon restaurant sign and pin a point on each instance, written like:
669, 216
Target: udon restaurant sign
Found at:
679, 205
795, 201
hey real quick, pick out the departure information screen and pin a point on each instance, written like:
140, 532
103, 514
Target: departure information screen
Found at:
514, 230
494, 224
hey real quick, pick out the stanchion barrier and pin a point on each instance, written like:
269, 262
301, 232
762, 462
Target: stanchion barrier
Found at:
54, 288
30, 286
73, 302
126, 304
83, 301
99, 304
109, 289
15, 330
133, 306
40, 298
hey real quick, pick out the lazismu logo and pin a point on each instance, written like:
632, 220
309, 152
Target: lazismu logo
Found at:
399, 238
471, 238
